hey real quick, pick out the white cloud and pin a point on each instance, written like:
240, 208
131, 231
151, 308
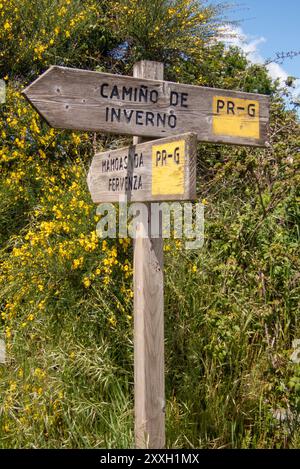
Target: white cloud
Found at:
235, 36
276, 71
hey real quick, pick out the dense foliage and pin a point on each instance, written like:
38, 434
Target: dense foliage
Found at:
66, 297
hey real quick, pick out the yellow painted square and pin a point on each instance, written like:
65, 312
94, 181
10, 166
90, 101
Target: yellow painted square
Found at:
168, 168
236, 117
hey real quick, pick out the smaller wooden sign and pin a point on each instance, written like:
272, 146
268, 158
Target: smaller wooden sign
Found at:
163, 169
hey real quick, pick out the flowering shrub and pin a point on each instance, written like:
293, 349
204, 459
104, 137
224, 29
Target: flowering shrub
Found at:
164, 30
66, 296
37, 33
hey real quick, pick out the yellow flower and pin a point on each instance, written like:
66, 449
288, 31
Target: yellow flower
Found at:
194, 268
39, 373
77, 263
86, 282
178, 243
13, 386
7, 26
112, 320
76, 138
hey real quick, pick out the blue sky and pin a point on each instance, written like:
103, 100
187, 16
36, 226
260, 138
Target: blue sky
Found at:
266, 27
278, 22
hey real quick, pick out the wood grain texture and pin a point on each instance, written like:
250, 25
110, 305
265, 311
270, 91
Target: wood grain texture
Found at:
85, 100
129, 171
149, 380
2, 91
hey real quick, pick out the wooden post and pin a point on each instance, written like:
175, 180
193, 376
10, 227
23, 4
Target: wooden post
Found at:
149, 381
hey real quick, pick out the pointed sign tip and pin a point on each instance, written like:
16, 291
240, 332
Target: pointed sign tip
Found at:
27, 91
24, 92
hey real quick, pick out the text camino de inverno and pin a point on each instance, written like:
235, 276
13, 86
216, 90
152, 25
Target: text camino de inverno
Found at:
140, 95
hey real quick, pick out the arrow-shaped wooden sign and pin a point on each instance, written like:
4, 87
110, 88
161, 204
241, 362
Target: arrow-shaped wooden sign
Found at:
163, 169
92, 101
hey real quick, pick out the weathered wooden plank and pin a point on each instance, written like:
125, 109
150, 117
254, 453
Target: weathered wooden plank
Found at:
2, 91
86, 100
148, 280
163, 169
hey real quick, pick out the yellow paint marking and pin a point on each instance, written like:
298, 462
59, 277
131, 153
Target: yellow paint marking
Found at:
168, 168
236, 117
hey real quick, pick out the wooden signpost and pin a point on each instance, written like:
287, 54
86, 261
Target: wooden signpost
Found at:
78, 99
147, 106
